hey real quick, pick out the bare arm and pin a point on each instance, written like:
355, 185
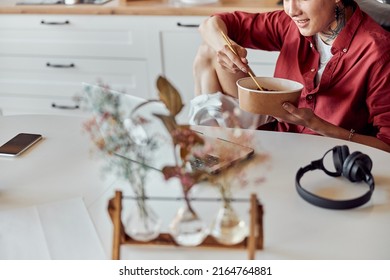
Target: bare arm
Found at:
210, 31
306, 117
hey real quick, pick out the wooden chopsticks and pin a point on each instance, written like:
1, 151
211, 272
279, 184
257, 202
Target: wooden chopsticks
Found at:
250, 72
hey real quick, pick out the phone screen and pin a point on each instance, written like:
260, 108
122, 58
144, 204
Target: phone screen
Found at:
19, 144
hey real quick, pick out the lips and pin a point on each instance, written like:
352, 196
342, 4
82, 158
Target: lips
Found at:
302, 22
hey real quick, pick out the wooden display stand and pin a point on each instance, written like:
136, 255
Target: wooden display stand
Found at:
251, 243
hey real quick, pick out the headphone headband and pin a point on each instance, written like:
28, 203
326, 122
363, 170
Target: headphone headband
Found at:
356, 167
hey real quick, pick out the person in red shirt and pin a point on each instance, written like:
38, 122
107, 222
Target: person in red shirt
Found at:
339, 53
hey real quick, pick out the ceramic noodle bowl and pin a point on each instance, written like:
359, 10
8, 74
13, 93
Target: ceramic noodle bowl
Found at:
268, 101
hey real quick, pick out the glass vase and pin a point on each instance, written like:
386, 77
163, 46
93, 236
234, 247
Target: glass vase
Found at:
187, 229
143, 224
228, 228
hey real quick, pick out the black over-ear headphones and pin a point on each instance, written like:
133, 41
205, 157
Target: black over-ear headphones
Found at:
356, 167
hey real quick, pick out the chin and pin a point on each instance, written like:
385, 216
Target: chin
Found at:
306, 32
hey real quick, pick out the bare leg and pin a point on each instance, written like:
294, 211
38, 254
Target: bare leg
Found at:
209, 77
212, 86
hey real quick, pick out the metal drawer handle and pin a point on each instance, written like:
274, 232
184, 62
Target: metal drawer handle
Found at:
55, 22
65, 107
187, 25
60, 65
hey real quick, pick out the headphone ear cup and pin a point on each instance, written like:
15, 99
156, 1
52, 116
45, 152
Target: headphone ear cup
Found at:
357, 166
340, 154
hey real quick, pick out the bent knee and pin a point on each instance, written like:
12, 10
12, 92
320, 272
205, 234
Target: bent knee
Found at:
204, 56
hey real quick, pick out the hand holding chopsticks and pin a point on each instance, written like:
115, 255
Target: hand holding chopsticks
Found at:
250, 72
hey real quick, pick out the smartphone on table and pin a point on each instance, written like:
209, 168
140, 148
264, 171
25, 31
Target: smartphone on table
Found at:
19, 144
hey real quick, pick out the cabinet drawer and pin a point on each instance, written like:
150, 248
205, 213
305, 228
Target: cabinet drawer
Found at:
49, 105
85, 36
53, 76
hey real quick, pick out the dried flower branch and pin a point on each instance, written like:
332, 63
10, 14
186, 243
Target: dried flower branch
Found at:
108, 128
187, 144
183, 139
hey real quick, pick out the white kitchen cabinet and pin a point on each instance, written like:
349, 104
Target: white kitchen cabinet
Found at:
262, 62
45, 59
179, 40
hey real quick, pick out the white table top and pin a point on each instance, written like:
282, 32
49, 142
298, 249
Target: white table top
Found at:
61, 167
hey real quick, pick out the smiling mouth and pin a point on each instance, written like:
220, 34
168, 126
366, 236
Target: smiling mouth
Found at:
301, 22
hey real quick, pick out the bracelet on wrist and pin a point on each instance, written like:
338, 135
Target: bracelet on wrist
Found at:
351, 134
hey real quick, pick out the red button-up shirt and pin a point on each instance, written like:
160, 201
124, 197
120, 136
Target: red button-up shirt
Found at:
354, 92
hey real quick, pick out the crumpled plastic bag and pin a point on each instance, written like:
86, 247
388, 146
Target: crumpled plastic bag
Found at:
218, 109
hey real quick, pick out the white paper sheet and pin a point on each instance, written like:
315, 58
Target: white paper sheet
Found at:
21, 236
59, 230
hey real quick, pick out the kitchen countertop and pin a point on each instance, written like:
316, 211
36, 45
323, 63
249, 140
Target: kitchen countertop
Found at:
143, 7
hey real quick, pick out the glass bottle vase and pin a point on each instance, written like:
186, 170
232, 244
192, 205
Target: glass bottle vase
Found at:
143, 224
227, 228
187, 229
